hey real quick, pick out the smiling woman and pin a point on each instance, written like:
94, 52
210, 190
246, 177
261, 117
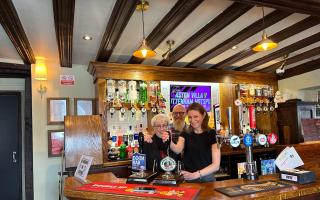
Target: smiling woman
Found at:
201, 155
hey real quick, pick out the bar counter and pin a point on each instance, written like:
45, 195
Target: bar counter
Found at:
296, 191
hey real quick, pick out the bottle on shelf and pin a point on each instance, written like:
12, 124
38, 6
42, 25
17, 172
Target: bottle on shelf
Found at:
126, 137
143, 97
135, 136
113, 136
119, 137
123, 152
130, 149
130, 135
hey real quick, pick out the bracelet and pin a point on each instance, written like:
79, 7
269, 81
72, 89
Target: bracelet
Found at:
200, 176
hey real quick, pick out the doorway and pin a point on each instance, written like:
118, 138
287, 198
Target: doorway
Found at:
10, 145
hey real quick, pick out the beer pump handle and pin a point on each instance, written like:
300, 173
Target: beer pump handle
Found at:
229, 117
141, 141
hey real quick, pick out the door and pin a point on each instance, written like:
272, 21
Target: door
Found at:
10, 145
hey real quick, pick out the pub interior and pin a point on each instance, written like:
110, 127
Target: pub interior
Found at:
84, 85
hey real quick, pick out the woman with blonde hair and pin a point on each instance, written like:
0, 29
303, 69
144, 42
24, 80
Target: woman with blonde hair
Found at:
157, 148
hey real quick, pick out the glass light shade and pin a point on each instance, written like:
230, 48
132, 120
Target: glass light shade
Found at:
144, 51
265, 44
40, 69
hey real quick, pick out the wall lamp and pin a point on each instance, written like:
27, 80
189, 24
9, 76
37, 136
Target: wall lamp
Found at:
40, 74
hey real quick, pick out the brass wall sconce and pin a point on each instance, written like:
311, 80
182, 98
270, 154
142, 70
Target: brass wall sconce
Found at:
40, 74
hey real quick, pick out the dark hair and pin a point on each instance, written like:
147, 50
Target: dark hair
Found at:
198, 107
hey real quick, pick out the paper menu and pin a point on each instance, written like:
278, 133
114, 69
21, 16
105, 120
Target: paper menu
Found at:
83, 168
288, 159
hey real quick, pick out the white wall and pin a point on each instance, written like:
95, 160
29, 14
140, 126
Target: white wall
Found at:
295, 87
45, 169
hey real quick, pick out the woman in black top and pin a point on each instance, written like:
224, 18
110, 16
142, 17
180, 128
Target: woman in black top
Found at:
201, 156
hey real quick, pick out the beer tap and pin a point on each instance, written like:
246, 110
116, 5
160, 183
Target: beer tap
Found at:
248, 141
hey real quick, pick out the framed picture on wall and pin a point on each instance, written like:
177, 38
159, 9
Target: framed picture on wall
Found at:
85, 106
317, 114
55, 143
57, 108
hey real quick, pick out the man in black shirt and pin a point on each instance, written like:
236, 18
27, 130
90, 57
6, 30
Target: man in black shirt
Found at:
178, 122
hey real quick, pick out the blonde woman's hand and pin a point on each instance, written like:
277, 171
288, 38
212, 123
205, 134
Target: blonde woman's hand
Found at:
147, 138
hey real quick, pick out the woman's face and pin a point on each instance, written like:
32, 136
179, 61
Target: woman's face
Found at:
195, 119
160, 126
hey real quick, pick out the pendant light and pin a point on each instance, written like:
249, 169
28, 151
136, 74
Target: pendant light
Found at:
144, 51
265, 44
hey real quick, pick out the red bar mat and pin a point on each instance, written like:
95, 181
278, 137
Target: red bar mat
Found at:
128, 189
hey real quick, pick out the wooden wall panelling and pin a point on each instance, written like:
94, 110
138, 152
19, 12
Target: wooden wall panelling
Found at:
227, 98
267, 122
83, 136
100, 88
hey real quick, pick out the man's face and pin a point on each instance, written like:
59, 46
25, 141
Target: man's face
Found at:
178, 113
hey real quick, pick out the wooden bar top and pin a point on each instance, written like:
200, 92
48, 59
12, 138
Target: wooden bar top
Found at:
207, 192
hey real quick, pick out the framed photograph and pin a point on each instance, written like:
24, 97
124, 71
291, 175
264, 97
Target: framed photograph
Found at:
55, 142
57, 108
85, 106
318, 106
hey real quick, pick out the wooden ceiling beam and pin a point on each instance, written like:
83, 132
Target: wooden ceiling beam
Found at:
232, 13
247, 32
8, 70
281, 52
121, 14
63, 11
175, 16
277, 37
12, 25
310, 7
301, 69
289, 61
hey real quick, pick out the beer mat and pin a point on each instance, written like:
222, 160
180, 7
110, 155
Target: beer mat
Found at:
128, 189
251, 188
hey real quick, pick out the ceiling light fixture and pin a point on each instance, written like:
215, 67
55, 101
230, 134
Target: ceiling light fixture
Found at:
166, 55
234, 47
87, 37
280, 71
143, 51
265, 44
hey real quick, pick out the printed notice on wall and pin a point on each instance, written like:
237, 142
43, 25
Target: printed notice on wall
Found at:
67, 79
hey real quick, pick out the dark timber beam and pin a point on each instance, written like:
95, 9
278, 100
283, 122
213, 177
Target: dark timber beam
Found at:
277, 37
121, 14
301, 69
175, 16
294, 59
63, 11
247, 32
284, 51
11, 24
310, 7
217, 24
14, 70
